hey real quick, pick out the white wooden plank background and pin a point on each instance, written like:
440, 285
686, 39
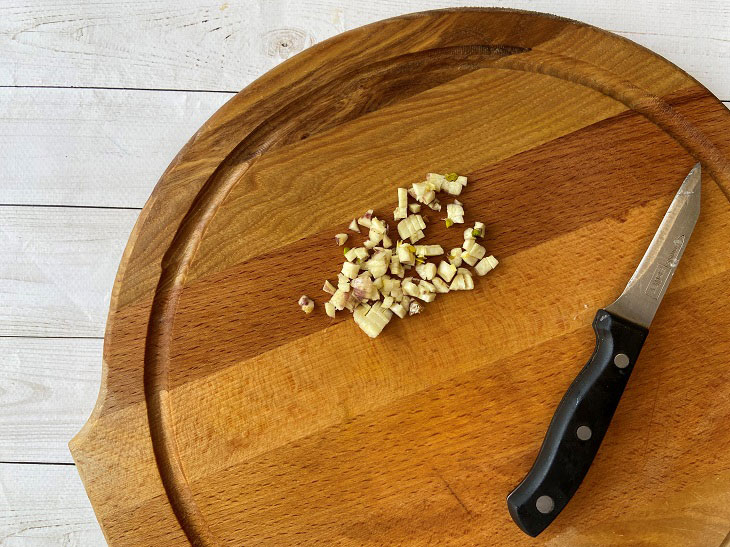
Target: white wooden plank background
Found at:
95, 100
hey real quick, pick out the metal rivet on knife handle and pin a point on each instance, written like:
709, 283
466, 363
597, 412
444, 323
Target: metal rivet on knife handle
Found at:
545, 504
583, 433
621, 360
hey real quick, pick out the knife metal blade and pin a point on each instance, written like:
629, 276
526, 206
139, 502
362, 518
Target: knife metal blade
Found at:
645, 290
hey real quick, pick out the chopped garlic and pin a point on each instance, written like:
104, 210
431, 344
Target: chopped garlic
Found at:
440, 285
469, 234
339, 299
402, 198
350, 269
400, 213
435, 205
414, 308
328, 287
429, 250
451, 187
353, 226
455, 256
361, 252
372, 320
446, 271
398, 309
340, 239
414, 208
486, 265
455, 212
419, 235
426, 271
387, 243
411, 225
461, 180
480, 228
329, 309
306, 303
427, 296
369, 244
365, 219
435, 180
409, 287
378, 264
351, 255
388, 301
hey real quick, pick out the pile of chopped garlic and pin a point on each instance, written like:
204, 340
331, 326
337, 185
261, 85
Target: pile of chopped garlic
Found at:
373, 284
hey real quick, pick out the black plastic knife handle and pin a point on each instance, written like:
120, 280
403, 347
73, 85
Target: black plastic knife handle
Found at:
578, 426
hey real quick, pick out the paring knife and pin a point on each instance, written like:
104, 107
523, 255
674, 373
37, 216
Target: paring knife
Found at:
584, 414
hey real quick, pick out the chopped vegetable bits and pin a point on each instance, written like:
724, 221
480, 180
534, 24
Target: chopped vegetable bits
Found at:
373, 284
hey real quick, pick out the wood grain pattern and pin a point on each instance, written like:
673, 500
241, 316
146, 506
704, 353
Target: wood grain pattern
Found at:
230, 419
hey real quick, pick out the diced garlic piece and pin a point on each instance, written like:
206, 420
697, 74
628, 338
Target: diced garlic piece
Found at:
468, 244
435, 180
409, 287
402, 198
363, 288
435, 205
425, 286
429, 250
398, 309
414, 308
365, 219
340, 239
427, 296
328, 287
477, 251
468, 282
480, 228
351, 255
399, 213
410, 225
440, 285
374, 320
455, 256
463, 271
486, 265
388, 301
379, 282
339, 299
458, 284
414, 208
417, 236
468, 234
369, 244
353, 226
426, 271
350, 269
461, 180
405, 301
428, 197
387, 243
378, 225
469, 259
361, 252
451, 187
446, 271
344, 286
419, 189
455, 211
306, 303
329, 309
397, 293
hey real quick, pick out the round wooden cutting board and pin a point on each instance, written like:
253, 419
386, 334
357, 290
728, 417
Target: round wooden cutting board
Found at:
228, 417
